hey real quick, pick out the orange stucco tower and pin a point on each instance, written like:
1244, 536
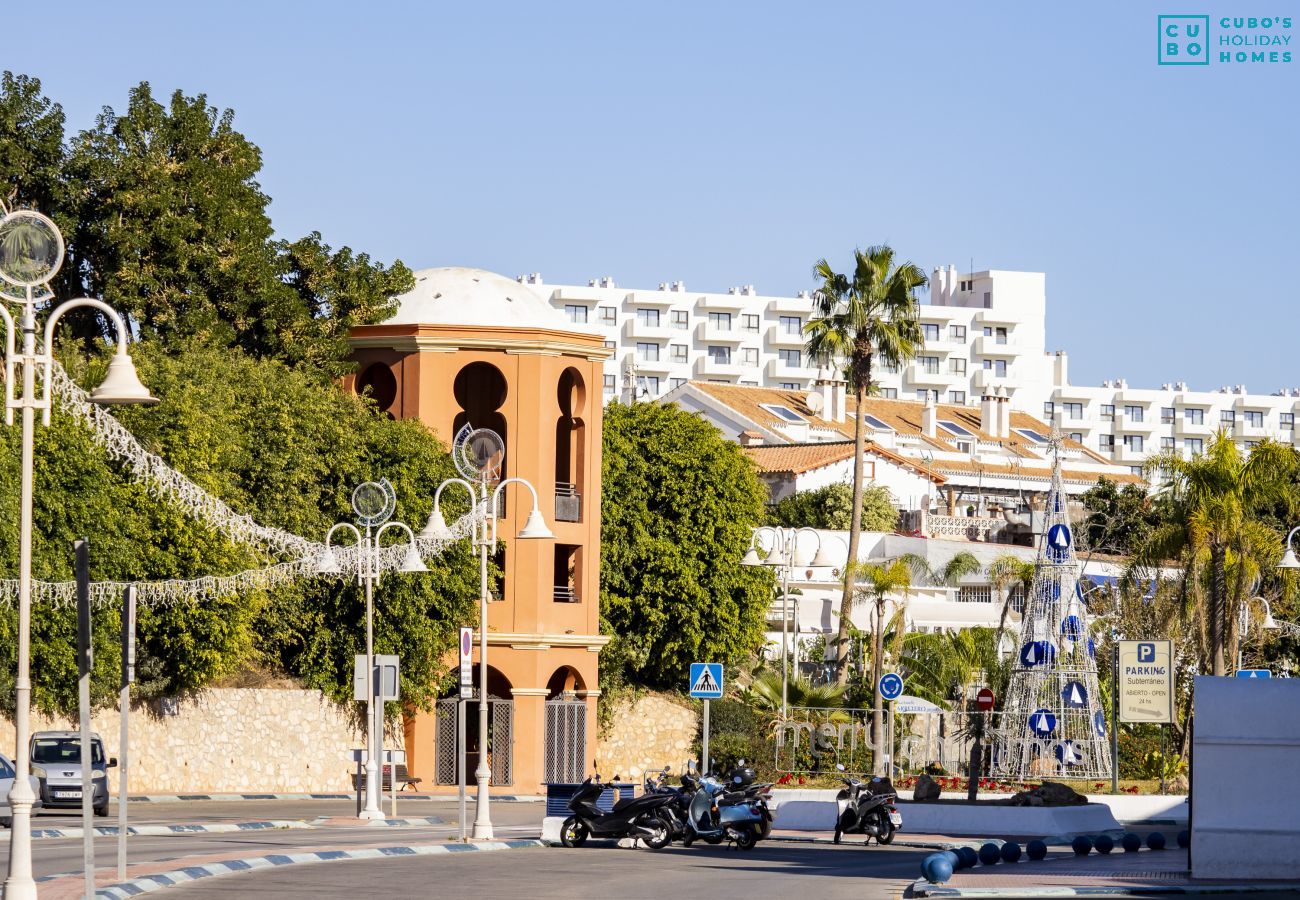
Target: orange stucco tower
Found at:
471, 347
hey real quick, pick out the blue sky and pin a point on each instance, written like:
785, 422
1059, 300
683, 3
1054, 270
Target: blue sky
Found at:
726, 144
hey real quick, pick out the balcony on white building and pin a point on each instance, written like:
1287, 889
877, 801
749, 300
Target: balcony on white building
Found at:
714, 333
724, 302
779, 370
802, 305
1145, 425
1185, 426
728, 367
657, 298
661, 366
925, 376
778, 336
990, 346
637, 329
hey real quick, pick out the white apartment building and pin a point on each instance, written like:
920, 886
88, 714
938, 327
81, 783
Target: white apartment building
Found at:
983, 330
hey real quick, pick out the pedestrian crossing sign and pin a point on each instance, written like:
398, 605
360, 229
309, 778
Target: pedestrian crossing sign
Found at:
706, 680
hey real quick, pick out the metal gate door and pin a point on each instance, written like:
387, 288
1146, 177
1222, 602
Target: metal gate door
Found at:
566, 741
501, 720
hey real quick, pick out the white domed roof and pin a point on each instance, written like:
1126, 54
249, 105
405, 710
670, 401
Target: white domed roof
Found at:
458, 296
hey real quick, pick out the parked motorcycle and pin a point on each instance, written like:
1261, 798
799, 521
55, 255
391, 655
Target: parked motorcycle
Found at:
868, 807
641, 817
715, 813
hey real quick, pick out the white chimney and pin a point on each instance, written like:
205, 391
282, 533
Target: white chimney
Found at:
929, 416
988, 414
1004, 413
839, 393
826, 381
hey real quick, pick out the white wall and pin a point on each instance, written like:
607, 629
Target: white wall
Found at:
1246, 778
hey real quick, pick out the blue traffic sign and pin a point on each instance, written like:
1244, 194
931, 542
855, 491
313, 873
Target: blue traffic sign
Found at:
891, 686
1254, 673
706, 680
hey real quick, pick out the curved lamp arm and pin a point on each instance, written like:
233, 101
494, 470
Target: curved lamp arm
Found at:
751, 557
534, 527
120, 358
412, 563
9, 364
328, 563
387, 525
436, 528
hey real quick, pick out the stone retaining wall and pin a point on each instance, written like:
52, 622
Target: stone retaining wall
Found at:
651, 732
229, 740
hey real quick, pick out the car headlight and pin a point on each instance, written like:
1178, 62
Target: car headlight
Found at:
38, 772
99, 774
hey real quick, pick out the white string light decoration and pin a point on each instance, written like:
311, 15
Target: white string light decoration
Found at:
168, 485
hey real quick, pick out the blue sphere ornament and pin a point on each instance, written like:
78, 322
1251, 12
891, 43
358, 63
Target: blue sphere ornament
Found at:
1131, 843
968, 857
1156, 840
1104, 843
953, 859
1184, 838
936, 868
1011, 852
1082, 845
990, 853
1036, 849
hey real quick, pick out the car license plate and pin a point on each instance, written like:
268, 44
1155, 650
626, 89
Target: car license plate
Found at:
896, 819
67, 795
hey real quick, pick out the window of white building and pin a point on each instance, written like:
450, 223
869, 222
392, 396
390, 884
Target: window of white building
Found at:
1106, 441
889, 393
611, 384
1133, 413
1168, 443
929, 363
749, 322
1049, 410
1072, 410
997, 366
1286, 420
648, 385
648, 317
957, 333
975, 593
1108, 410
677, 352
792, 325
608, 315
1254, 418
789, 385
576, 313
749, 356
1000, 336
956, 365
647, 352
720, 321
675, 383
1227, 416
720, 355
790, 358
929, 331
1076, 436
1133, 442
1167, 415
681, 319
1194, 416
957, 398
611, 345
1193, 446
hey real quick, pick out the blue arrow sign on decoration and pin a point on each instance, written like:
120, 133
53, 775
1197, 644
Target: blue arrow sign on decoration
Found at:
1058, 541
1075, 695
1042, 723
891, 686
1067, 753
1099, 723
1254, 673
1037, 653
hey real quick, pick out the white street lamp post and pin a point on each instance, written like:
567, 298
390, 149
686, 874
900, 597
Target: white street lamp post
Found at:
373, 503
1243, 624
785, 556
534, 529
31, 252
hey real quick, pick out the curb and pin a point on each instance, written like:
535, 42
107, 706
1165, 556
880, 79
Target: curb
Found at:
228, 827
186, 798
915, 845
921, 888
148, 883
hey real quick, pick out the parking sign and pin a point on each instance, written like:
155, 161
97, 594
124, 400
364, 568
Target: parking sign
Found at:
1146, 682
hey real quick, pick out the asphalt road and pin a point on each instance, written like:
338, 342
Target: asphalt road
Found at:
52, 856
772, 869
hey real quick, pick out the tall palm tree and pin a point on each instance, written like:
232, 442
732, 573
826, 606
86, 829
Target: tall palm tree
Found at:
1007, 572
1217, 498
877, 582
949, 574
859, 318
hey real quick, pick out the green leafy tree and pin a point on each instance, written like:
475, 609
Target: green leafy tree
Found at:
1215, 529
1119, 519
831, 507
862, 318
678, 505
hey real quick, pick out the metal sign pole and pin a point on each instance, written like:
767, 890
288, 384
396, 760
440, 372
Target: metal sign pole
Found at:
704, 741
85, 663
460, 764
124, 707
1114, 717
889, 763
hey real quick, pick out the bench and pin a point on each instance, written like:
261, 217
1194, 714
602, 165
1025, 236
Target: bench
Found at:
386, 781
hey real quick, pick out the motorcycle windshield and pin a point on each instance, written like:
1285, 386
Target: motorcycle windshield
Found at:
700, 807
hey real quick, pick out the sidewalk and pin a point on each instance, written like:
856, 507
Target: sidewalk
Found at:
1068, 875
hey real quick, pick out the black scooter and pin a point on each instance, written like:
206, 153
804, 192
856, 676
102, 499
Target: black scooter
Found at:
641, 817
867, 807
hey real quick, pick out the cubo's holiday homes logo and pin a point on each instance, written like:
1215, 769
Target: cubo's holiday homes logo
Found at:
1187, 40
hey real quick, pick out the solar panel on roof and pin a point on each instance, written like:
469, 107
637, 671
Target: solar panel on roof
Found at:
876, 423
784, 412
954, 428
1032, 435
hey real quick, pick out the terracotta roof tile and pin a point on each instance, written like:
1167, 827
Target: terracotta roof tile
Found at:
800, 458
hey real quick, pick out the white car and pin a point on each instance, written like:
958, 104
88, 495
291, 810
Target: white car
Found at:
7, 784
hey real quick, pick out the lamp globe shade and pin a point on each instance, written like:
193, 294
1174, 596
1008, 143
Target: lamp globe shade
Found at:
1289, 560
328, 564
751, 558
821, 560
412, 563
121, 386
535, 528
436, 528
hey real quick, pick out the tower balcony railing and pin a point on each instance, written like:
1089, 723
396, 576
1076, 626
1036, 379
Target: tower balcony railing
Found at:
568, 502
565, 594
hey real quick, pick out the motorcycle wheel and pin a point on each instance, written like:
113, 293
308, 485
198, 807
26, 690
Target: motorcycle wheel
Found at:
765, 828
885, 835
573, 833
660, 835
746, 838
